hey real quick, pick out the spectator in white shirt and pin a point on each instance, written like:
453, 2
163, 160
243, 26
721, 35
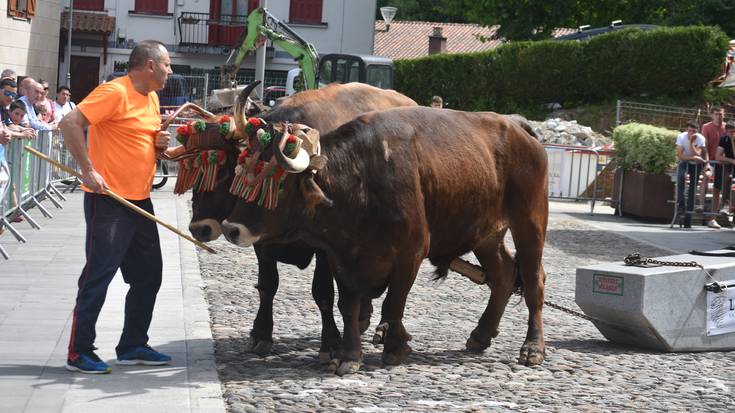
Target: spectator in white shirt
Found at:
63, 103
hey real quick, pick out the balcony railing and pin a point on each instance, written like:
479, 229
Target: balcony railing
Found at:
205, 29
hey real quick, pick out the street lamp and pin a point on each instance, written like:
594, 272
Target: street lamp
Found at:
388, 13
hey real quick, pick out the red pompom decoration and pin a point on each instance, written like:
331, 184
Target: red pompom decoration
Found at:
255, 122
224, 119
184, 130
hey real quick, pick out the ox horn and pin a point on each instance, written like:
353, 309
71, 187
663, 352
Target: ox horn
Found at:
241, 108
294, 166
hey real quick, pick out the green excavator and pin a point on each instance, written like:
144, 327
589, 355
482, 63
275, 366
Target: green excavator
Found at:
313, 71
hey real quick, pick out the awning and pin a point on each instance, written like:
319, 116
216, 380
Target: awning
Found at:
88, 22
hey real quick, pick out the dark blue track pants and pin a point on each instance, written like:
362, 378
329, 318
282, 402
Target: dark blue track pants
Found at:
117, 237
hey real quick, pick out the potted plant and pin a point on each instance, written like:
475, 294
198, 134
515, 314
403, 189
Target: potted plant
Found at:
645, 157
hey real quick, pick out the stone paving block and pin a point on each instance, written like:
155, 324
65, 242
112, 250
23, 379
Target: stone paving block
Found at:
661, 308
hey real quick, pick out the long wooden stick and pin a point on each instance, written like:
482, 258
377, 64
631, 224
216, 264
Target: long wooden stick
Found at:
124, 202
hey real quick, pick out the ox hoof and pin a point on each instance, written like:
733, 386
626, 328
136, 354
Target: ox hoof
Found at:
333, 365
260, 347
532, 354
379, 335
396, 357
348, 367
476, 346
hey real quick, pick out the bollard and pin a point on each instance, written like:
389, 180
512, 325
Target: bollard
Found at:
662, 308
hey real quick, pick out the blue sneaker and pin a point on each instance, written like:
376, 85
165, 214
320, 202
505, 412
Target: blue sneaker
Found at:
143, 355
89, 363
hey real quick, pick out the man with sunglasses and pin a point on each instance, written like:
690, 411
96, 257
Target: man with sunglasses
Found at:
8, 90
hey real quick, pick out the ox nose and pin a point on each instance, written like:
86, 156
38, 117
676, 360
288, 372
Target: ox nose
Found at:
232, 233
205, 230
202, 232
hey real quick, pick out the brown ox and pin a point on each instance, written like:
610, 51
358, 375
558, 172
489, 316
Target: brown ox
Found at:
406, 184
325, 109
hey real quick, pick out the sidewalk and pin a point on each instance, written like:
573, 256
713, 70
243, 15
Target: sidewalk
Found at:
37, 292
677, 240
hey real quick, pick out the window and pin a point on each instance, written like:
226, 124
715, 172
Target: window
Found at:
24, 9
380, 76
96, 5
305, 11
151, 6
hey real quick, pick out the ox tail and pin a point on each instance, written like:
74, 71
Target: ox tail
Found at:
518, 285
523, 123
441, 272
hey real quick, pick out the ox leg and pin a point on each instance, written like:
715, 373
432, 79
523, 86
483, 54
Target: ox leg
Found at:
261, 336
395, 343
366, 311
529, 233
349, 306
498, 266
322, 289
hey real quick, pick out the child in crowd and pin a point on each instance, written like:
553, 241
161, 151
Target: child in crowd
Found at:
17, 111
41, 111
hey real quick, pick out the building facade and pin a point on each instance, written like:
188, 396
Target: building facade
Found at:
30, 38
200, 33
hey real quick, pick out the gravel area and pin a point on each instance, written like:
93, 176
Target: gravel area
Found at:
582, 371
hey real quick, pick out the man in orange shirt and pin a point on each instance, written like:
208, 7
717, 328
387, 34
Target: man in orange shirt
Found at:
124, 135
712, 132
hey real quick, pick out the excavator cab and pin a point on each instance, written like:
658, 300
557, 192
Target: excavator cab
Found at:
345, 68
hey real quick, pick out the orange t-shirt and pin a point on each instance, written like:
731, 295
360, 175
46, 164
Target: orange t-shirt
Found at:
123, 126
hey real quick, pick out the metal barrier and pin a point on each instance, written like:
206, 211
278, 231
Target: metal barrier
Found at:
580, 173
671, 117
32, 181
726, 193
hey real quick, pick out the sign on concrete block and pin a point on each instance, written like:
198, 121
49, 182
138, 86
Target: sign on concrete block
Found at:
721, 311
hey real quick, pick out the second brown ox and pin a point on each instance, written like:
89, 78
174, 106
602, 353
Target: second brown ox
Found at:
407, 184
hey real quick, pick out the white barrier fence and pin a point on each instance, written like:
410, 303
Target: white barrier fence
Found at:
33, 181
580, 173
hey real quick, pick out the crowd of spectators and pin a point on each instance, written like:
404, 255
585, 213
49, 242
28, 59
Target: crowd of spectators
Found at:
25, 109
697, 153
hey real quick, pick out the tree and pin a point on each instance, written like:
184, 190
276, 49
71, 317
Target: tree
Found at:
536, 19
518, 19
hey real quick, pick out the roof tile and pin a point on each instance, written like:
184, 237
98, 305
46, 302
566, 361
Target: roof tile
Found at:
410, 39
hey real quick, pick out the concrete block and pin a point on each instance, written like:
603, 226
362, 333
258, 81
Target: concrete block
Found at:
660, 308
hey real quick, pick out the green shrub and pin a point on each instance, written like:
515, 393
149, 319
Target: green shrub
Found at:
665, 62
644, 148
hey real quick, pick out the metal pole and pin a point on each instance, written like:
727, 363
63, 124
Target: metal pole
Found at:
68, 45
206, 89
260, 61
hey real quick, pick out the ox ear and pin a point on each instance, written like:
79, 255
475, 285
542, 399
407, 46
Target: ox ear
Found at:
313, 194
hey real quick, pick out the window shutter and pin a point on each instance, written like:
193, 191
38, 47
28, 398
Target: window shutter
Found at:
306, 11
152, 6
97, 5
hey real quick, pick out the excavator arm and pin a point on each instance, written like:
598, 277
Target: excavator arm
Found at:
261, 26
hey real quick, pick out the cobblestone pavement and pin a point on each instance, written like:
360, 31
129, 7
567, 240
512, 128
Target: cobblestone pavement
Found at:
582, 371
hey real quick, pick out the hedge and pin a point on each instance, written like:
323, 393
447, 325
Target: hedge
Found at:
644, 148
668, 62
